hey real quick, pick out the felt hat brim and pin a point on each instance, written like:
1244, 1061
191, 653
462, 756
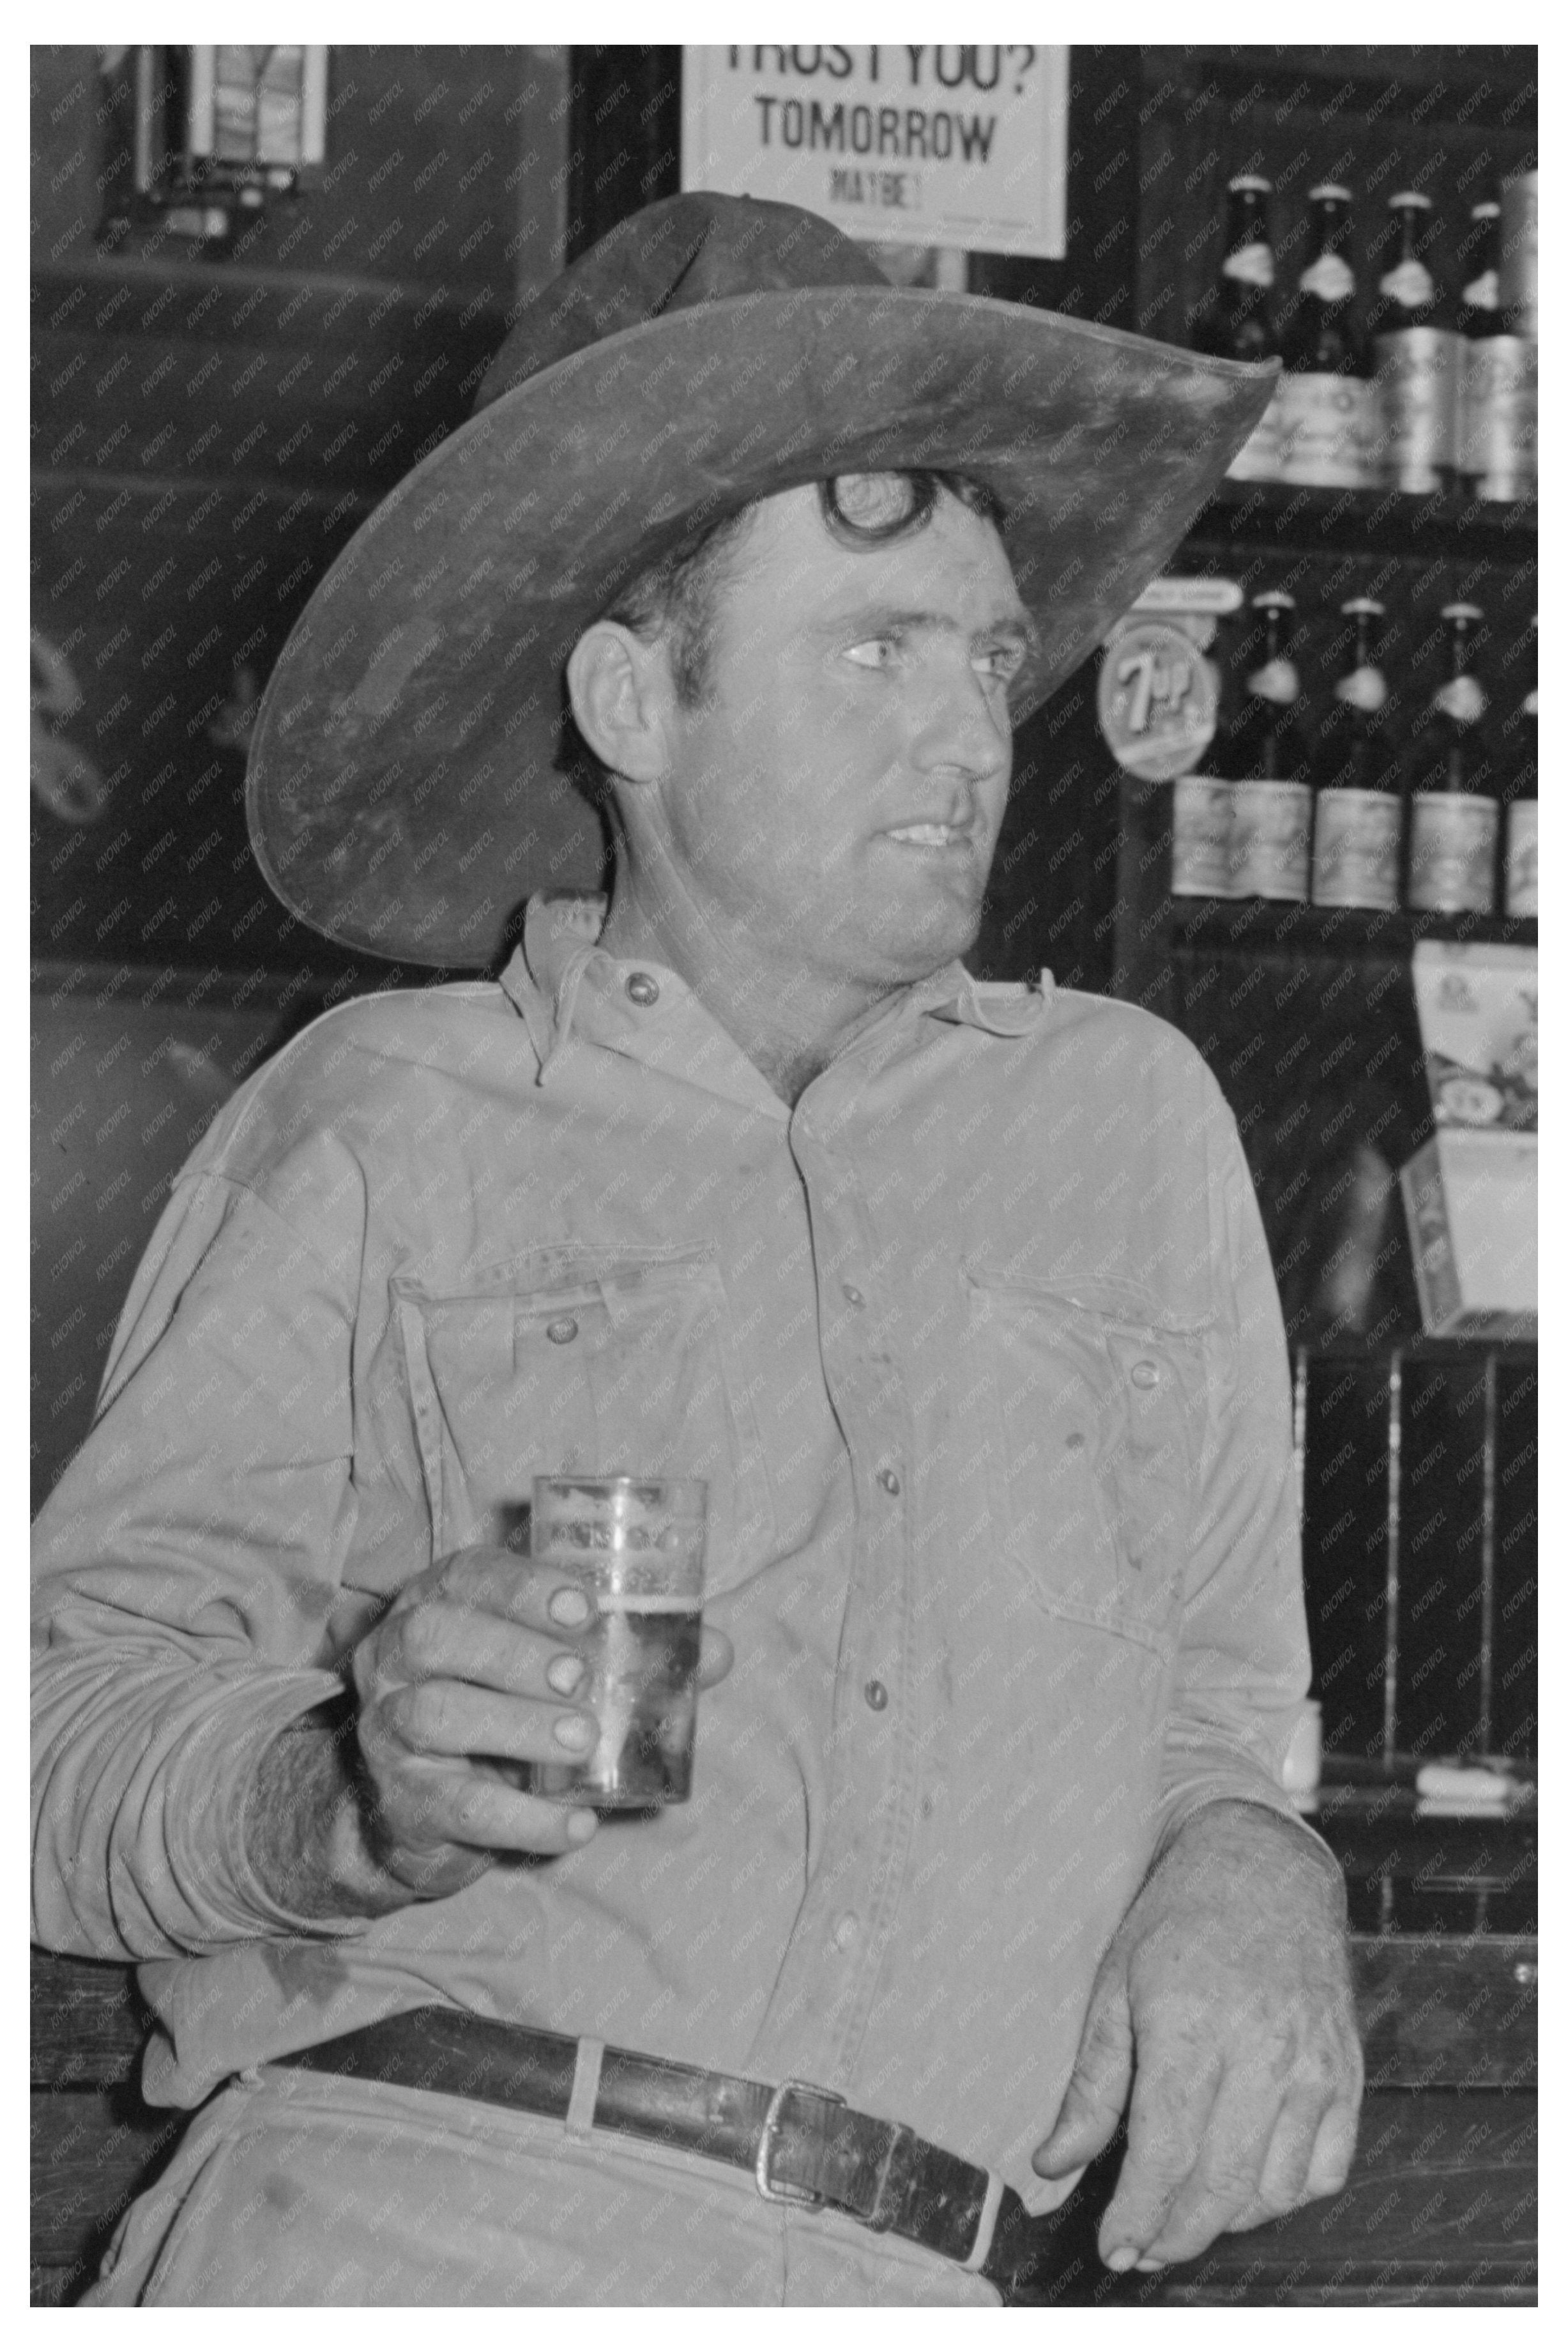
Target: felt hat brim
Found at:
404, 793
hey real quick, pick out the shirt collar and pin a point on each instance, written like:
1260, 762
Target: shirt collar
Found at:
560, 950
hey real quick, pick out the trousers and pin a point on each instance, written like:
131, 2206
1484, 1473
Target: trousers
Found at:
312, 2190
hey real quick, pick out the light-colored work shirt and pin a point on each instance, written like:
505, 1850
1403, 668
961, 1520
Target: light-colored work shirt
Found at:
979, 1352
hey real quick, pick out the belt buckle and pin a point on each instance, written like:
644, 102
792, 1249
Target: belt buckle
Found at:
764, 2187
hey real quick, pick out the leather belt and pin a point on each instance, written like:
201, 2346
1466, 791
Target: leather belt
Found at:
801, 2145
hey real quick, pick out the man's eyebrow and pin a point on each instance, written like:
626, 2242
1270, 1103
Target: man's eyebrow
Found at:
1018, 627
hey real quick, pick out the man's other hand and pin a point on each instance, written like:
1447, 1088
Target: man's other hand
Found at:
472, 1669
1224, 2003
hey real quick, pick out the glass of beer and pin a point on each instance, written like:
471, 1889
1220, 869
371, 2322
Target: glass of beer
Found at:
637, 1545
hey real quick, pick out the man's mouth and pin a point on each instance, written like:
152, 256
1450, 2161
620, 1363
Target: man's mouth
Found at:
930, 836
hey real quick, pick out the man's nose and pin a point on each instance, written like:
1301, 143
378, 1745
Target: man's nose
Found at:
963, 723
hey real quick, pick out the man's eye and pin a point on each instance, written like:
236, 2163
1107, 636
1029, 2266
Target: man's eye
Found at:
874, 652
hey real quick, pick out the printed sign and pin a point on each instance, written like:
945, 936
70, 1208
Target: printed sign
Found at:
1158, 701
912, 143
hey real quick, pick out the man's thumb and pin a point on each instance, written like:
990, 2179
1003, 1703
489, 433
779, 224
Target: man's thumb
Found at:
1093, 2102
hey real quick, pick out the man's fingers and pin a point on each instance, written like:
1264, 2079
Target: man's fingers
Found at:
1174, 2095
446, 1639
509, 1584
478, 1809
1258, 2158
1333, 2150
1282, 2182
1309, 2155
445, 1718
1311, 2152
1092, 2105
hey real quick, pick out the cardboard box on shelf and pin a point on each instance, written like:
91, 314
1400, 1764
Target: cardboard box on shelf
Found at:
1477, 1008
1470, 1198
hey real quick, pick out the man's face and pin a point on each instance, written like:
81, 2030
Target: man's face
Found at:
840, 793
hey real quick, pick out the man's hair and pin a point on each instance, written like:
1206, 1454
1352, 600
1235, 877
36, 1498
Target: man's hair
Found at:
680, 594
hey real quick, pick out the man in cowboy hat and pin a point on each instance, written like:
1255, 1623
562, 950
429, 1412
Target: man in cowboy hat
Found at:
956, 1294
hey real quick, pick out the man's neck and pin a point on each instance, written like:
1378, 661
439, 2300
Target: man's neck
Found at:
787, 1022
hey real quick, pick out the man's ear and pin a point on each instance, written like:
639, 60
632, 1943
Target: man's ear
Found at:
621, 692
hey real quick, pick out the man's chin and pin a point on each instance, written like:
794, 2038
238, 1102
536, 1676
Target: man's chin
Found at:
913, 951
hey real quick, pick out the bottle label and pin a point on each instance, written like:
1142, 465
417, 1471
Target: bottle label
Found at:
1453, 843
1497, 416
1328, 431
1270, 828
1409, 283
1365, 689
1330, 277
1519, 865
1257, 459
1417, 391
1200, 837
1250, 265
1462, 698
1355, 849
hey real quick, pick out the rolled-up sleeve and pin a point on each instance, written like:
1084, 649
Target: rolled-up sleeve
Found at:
1243, 1665
186, 1572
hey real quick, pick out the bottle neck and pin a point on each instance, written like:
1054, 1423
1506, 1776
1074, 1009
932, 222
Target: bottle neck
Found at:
1249, 255
1460, 701
1331, 230
1480, 258
1408, 284
1328, 278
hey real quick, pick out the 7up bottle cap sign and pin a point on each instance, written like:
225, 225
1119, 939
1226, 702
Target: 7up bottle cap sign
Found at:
1157, 698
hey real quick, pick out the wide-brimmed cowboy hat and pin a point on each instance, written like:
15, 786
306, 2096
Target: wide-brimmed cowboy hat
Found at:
406, 789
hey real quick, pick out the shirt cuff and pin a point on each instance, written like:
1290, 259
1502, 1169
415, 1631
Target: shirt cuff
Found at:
204, 1807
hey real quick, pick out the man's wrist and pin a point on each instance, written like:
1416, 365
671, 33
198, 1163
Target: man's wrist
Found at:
304, 1827
1223, 1824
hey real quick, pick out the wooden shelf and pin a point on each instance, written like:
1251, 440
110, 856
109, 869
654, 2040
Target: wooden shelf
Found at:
1338, 931
1367, 522
1378, 1832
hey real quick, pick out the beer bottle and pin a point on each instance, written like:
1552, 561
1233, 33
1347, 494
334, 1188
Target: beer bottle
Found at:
1237, 320
1327, 406
1270, 794
1497, 374
1453, 810
1415, 351
1519, 764
1358, 808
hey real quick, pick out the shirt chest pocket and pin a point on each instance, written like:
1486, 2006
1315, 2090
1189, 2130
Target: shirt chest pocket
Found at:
1095, 1414
592, 1361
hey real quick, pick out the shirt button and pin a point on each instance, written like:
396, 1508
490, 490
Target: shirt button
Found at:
642, 988
847, 1932
876, 1696
889, 1478
852, 1295
562, 1330
1145, 1374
